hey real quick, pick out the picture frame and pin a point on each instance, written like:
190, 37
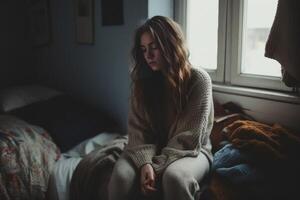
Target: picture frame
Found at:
40, 22
112, 12
84, 21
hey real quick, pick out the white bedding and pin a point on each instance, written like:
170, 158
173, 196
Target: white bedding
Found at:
60, 179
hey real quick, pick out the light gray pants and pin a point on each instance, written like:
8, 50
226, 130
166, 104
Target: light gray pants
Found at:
180, 180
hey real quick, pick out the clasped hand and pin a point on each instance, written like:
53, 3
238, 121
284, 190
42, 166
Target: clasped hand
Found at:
147, 179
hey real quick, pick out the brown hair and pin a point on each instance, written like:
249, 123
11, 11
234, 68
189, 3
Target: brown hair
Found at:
169, 37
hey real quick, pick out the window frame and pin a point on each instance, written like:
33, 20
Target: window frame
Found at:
230, 47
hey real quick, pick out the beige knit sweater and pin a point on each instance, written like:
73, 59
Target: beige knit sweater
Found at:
188, 133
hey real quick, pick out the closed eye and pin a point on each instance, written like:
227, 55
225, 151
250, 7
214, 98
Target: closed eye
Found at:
143, 49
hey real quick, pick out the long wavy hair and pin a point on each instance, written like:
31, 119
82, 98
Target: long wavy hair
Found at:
147, 88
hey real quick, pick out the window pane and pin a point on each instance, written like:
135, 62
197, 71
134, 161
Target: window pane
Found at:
259, 16
202, 32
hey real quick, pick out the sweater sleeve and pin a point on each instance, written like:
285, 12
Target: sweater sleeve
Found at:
193, 127
140, 148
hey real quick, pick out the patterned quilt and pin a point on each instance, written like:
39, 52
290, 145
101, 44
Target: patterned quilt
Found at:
27, 156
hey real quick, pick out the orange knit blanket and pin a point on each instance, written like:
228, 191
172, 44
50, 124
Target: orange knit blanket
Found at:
268, 144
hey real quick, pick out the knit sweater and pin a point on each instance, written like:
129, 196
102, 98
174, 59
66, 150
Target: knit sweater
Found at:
187, 135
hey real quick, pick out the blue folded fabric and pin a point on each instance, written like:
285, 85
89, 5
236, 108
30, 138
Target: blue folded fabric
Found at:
241, 174
232, 164
228, 156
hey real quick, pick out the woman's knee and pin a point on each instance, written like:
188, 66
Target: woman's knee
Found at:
122, 181
179, 185
176, 177
123, 172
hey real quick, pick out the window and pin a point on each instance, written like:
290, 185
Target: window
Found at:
205, 54
227, 38
257, 24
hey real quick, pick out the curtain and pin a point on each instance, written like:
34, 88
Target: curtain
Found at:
283, 43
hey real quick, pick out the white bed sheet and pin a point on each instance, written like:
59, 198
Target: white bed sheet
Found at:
58, 188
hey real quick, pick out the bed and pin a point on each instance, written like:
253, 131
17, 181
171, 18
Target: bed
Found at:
57, 148
38, 126
252, 160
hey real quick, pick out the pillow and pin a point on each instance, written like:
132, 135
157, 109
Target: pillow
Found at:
19, 96
68, 121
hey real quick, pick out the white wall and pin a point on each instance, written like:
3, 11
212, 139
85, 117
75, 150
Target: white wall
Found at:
161, 7
97, 73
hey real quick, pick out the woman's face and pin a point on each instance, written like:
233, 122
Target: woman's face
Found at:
152, 52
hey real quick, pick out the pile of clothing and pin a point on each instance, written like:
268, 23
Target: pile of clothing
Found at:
257, 161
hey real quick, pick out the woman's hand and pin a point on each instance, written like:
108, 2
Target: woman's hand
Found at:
147, 179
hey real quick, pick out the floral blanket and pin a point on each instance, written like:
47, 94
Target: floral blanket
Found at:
27, 156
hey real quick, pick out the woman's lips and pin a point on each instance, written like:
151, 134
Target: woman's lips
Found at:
152, 63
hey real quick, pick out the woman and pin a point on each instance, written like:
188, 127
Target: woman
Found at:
170, 119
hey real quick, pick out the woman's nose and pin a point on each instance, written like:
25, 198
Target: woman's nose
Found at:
149, 54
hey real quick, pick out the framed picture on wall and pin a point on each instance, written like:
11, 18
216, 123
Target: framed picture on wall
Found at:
112, 12
84, 21
40, 22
